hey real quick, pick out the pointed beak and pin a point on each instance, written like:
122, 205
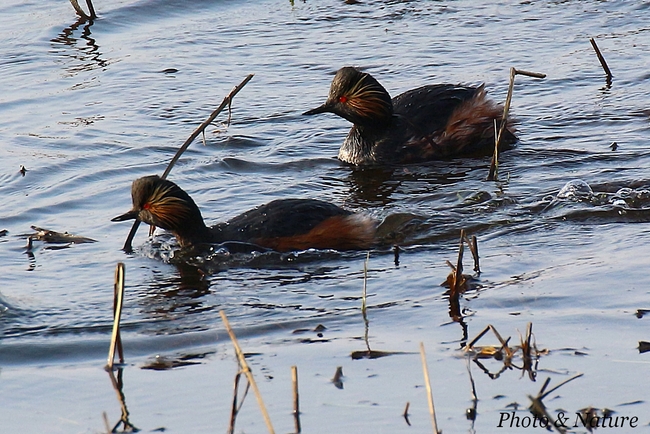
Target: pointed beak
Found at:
133, 214
325, 108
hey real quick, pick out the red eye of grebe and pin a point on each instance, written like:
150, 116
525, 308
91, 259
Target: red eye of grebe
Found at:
146, 206
343, 99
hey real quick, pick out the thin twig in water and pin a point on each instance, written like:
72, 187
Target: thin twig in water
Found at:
364, 305
406, 413
479, 336
365, 284
91, 8
601, 59
494, 164
543, 395
537, 407
233, 410
246, 370
458, 278
296, 403
492, 176
116, 340
77, 8
504, 342
235, 406
226, 102
106, 423
474, 249
427, 384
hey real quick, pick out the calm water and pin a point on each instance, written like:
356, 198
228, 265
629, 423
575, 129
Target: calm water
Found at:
87, 109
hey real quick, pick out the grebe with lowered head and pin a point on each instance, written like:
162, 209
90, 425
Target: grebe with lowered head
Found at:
281, 225
428, 123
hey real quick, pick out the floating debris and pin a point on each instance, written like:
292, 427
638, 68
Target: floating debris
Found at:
641, 312
162, 363
54, 237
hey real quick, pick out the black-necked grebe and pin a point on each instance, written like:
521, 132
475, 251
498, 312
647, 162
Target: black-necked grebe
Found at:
281, 225
428, 123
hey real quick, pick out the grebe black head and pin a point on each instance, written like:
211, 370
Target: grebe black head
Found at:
162, 203
357, 97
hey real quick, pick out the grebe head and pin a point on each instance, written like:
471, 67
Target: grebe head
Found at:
357, 97
162, 203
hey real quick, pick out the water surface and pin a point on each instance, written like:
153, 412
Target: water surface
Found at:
88, 108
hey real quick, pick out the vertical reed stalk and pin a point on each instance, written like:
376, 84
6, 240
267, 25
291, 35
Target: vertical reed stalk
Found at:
296, 402
492, 176
246, 370
427, 384
118, 299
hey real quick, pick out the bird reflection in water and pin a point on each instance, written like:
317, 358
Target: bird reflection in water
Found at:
174, 296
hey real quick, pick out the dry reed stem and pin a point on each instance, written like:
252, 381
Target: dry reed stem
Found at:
479, 336
458, 278
106, 423
296, 401
406, 413
427, 384
474, 249
80, 12
504, 343
538, 408
91, 9
225, 103
235, 408
365, 284
601, 59
492, 176
543, 394
117, 313
494, 163
246, 370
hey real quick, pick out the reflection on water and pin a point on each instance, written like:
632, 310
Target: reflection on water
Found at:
554, 253
172, 298
78, 55
118, 386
